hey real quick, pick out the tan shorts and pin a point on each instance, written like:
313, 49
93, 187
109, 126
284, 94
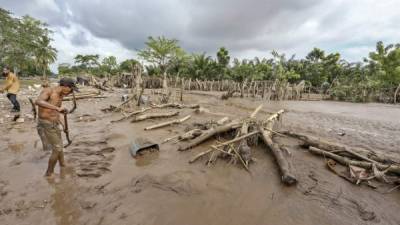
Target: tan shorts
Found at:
50, 134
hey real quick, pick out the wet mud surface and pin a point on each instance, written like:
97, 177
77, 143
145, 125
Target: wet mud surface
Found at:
103, 184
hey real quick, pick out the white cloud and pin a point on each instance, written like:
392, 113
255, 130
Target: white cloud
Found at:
245, 28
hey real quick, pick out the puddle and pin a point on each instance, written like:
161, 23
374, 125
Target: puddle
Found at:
65, 201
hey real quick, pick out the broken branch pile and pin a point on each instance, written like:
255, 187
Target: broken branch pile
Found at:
364, 165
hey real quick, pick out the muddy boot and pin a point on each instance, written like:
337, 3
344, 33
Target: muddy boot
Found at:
52, 163
61, 159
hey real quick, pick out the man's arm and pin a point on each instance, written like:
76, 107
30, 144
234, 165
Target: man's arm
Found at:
42, 101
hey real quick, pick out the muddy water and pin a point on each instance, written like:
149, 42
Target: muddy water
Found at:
105, 185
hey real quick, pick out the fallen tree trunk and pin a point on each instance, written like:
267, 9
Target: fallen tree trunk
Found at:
346, 161
210, 133
361, 153
281, 159
154, 116
283, 163
177, 121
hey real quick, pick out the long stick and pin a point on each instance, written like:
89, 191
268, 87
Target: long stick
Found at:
168, 123
238, 139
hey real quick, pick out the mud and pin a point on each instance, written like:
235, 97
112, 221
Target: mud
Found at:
103, 184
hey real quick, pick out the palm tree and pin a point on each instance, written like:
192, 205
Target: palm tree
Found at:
45, 54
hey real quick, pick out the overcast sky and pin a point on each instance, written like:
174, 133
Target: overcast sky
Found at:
246, 28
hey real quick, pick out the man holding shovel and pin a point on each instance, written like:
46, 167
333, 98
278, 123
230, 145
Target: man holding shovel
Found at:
50, 119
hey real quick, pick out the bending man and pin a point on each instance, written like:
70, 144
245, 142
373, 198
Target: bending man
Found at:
50, 119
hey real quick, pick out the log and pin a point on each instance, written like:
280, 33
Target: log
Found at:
222, 120
282, 160
132, 114
176, 105
177, 121
346, 161
154, 116
210, 133
84, 96
395, 94
361, 153
190, 134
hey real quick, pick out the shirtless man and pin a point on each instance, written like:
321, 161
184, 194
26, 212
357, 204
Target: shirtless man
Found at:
50, 119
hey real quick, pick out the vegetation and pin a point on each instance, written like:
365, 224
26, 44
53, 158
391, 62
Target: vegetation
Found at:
26, 47
25, 44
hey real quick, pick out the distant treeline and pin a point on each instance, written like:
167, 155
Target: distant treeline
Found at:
26, 47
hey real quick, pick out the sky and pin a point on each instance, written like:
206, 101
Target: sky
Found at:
246, 28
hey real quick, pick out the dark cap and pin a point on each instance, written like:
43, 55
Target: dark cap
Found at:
69, 82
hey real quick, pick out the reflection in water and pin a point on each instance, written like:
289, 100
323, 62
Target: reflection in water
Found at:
64, 199
146, 157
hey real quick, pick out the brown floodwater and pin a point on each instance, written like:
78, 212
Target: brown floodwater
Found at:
105, 185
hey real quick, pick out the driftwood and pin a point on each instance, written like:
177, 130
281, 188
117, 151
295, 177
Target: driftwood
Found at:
177, 121
176, 105
83, 95
168, 105
190, 135
132, 114
154, 116
281, 159
244, 149
194, 133
360, 153
222, 120
210, 133
186, 136
346, 161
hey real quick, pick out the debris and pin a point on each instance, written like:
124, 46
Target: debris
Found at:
281, 159
360, 153
154, 116
177, 121
346, 161
140, 144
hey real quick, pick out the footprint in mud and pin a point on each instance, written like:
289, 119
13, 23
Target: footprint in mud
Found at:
146, 157
91, 161
17, 147
180, 183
